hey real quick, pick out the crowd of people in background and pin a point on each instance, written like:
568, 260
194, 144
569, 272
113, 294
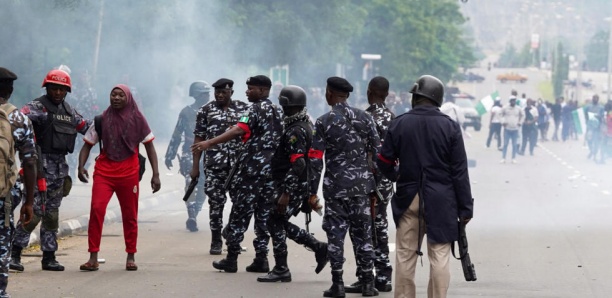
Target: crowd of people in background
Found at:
526, 122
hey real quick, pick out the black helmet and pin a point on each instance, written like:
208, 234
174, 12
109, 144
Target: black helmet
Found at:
198, 87
292, 96
429, 87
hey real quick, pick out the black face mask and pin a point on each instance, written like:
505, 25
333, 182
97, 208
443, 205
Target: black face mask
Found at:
290, 111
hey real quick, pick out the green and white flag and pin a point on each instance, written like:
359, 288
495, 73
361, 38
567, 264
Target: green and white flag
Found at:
485, 104
579, 121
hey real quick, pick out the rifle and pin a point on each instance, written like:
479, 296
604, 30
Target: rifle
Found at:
41, 180
190, 188
233, 170
469, 272
308, 219
373, 215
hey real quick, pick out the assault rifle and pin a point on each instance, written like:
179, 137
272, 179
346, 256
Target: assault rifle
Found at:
469, 272
373, 200
233, 170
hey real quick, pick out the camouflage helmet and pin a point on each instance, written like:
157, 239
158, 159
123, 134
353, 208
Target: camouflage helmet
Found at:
429, 87
292, 96
199, 87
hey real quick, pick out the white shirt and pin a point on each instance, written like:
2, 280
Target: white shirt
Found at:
453, 111
496, 114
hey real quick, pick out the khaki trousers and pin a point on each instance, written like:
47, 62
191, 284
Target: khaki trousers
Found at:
407, 237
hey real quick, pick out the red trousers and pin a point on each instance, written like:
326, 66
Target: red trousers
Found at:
127, 190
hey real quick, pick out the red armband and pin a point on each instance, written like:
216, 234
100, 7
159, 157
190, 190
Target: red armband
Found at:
387, 161
294, 157
247, 130
312, 153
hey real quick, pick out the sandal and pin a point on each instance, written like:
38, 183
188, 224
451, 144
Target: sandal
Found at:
131, 266
89, 266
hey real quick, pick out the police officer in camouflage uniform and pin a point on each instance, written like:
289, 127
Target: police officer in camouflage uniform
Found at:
212, 120
260, 128
290, 170
347, 136
23, 141
56, 125
377, 92
183, 132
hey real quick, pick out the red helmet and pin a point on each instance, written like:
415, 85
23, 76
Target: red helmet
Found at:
58, 77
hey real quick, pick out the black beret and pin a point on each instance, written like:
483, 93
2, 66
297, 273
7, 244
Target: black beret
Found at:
7, 75
259, 80
339, 84
223, 83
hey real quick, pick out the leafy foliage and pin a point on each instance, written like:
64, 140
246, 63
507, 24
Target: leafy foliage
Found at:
157, 46
597, 51
560, 70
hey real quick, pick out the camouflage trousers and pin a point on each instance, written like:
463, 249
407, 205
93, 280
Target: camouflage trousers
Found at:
253, 197
281, 228
6, 234
216, 196
382, 264
342, 215
48, 213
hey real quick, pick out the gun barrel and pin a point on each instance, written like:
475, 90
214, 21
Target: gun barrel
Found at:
469, 271
190, 188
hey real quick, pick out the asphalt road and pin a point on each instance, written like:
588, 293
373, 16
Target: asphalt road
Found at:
541, 229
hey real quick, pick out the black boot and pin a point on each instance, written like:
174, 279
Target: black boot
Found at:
216, 244
321, 256
367, 287
354, 287
49, 263
280, 272
260, 264
15, 263
337, 287
191, 224
229, 264
383, 285
320, 250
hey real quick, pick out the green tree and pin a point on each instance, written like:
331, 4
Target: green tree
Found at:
415, 38
309, 36
597, 51
560, 70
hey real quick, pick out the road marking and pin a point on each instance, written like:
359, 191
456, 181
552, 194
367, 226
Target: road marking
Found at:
577, 173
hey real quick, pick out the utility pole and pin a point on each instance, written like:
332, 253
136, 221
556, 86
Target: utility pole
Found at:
609, 57
98, 37
581, 33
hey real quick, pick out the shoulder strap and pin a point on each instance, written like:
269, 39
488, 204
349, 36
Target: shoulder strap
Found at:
51, 108
8, 108
68, 108
98, 128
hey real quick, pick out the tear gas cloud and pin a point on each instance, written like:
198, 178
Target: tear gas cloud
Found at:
158, 48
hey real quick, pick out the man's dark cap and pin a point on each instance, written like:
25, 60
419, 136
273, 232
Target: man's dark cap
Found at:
223, 83
339, 84
259, 80
7, 75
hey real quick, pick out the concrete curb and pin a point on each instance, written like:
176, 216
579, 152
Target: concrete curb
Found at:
71, 226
